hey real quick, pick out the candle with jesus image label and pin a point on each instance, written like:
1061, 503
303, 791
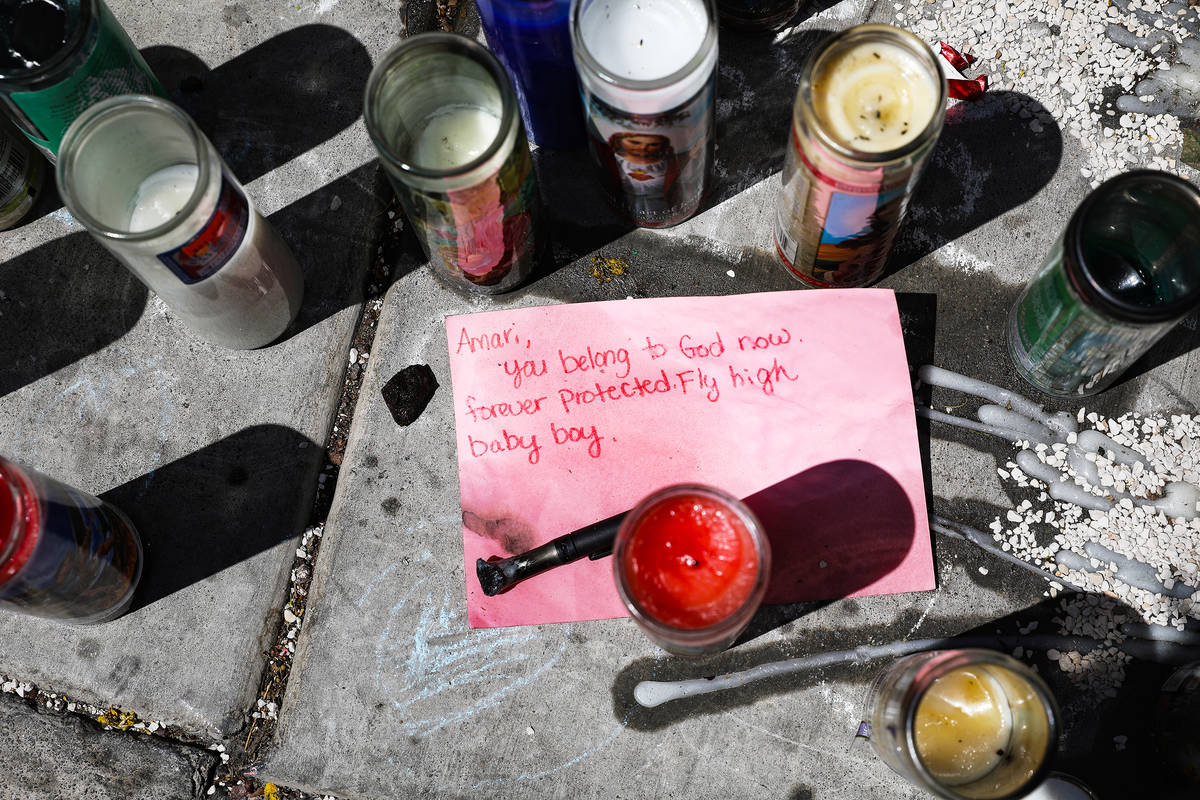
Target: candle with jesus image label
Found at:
444, 118
648, 70
963, 723
691, 565
867, 114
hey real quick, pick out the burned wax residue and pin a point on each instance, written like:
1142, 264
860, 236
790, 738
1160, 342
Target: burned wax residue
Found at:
874, 96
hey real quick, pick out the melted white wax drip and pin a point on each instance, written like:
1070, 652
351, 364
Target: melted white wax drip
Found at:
654, 693
1023, 419
1016, 418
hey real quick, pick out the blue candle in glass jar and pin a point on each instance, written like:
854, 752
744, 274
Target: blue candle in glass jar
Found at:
533, 42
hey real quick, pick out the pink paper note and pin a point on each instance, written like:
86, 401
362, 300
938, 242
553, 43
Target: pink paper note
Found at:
798, 402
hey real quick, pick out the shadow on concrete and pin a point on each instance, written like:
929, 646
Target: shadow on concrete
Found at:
986, 162
755, 93
273, 102
1180, 340
1150, 765
62, 301
219, 506
332, 231
69, 298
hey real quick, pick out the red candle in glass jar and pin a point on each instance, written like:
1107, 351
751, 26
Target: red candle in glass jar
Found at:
691, 565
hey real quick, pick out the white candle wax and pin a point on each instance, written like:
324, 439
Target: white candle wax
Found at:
875, 96
161, 196
455, 136
646, 40
253, 297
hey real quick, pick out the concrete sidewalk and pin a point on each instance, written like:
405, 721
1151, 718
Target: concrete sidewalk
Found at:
216, 455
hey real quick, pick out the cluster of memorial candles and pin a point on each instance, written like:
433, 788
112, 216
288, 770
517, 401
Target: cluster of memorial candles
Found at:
635, 79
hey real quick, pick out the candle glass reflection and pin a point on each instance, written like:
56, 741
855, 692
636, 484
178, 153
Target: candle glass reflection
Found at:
757, 15
532, 39
691, 564
444, 118
64, 554
141, 177
647, 69
868, 112
964, 723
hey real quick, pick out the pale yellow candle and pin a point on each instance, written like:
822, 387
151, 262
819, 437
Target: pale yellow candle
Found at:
963, 726
874, 96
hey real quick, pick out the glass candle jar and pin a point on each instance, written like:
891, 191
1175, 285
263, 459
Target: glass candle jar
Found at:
757, 15
532, 39
868, 112
22, 173
964, 723
444, 118
63, 553
57, 57
691, 565
141, 177
647, 69
1058, 786
1125, 270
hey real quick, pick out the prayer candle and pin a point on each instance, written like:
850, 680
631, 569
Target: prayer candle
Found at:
141, 177
445, 120
647, 69
532, 38
963, 723
691, 564
867, 114
1123, 273
58, 58
64, 554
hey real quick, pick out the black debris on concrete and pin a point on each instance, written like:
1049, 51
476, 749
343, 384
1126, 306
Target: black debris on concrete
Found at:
409, 392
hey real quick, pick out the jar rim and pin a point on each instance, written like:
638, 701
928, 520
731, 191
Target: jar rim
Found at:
33, 75
584, 55
869, 32
1096, 292
17, 544
410, 48
949, 660
102, 112
736, 618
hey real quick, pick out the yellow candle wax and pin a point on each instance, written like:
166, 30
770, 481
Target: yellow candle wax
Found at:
963, 726
874, 96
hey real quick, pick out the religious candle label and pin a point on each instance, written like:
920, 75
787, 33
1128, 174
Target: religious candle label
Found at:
217, 242
486, 230
607, 402
655, 165
840, 234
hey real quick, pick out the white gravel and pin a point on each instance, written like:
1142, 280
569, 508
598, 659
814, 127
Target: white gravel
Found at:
1065, 54
1067, 540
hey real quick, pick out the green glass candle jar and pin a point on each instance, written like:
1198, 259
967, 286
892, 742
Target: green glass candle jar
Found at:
1126, 269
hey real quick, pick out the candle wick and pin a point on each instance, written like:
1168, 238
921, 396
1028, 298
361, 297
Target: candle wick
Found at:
690, 562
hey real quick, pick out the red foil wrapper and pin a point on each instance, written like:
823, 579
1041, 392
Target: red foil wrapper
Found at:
958, 60
963, 89
968, 90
